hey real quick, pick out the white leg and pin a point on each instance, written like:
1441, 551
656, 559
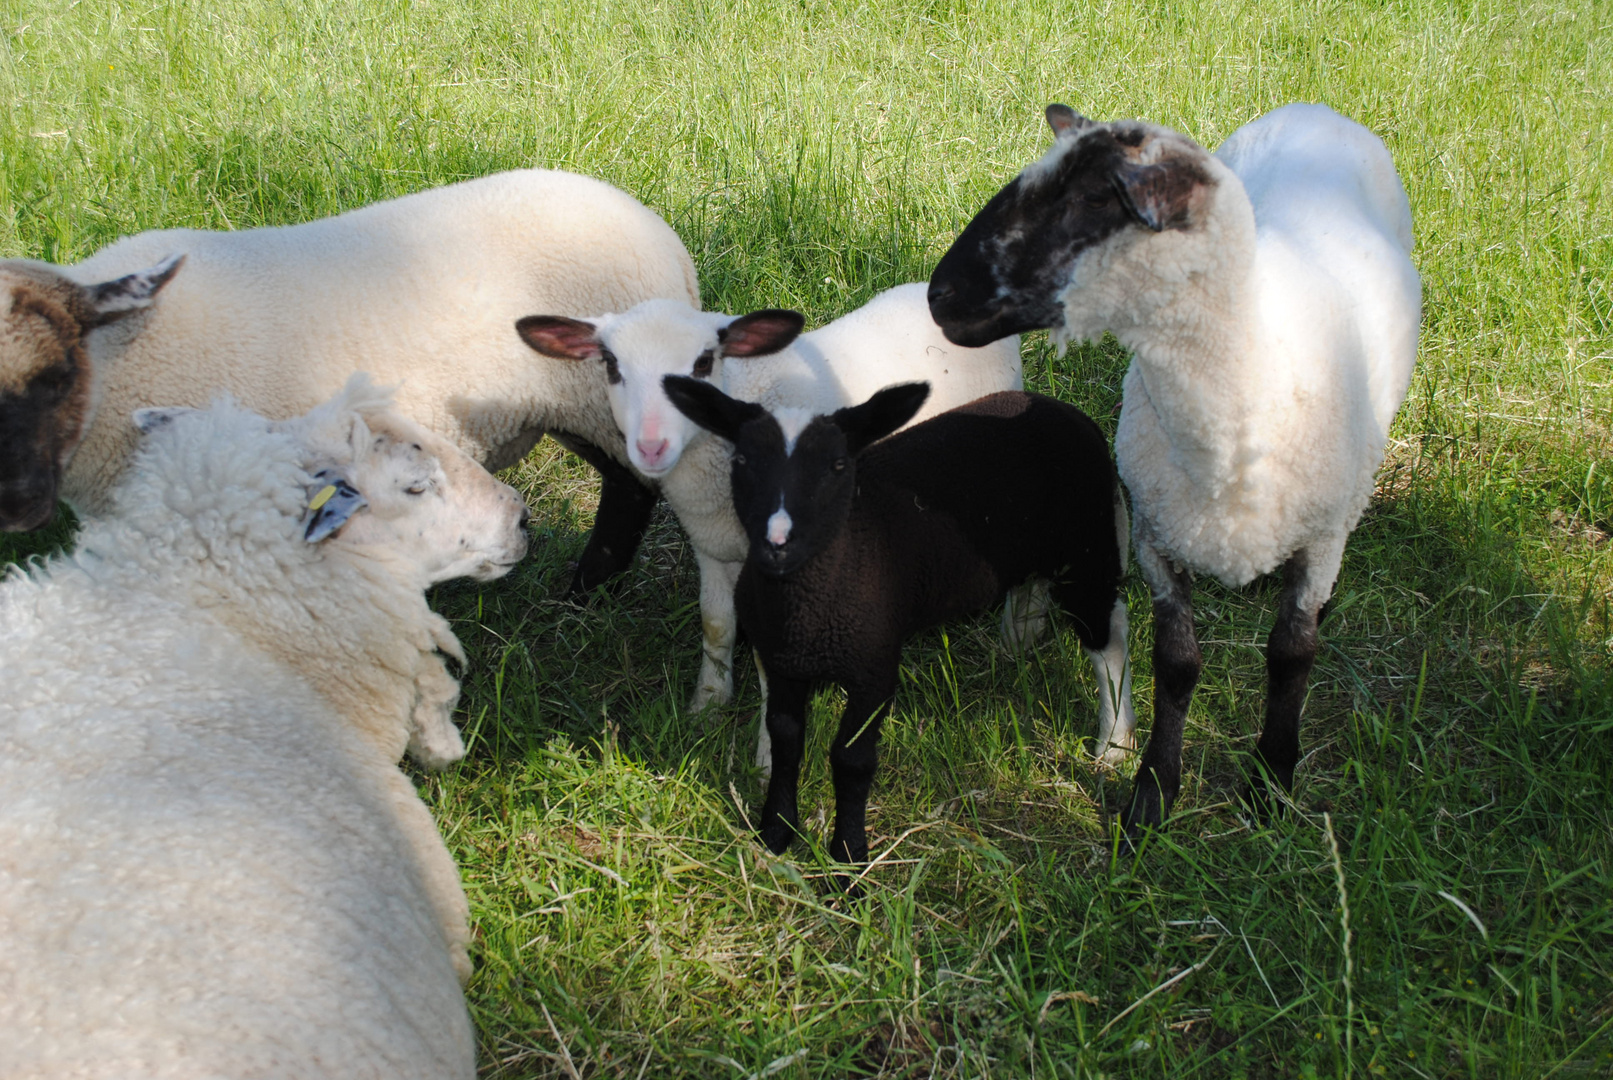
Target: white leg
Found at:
1025, 611
764, 740
1117, 723
434, 741
719, 627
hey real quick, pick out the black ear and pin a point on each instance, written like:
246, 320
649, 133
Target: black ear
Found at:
1162, 196
559, 337
881, 414
761, 332
1062, 118
112, 300
710, 407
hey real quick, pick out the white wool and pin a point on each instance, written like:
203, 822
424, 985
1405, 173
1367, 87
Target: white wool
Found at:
421, 291
1272, 346
890, 339
210, 864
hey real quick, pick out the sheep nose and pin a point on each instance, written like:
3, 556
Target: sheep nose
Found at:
526, 515
941, 292
652, 452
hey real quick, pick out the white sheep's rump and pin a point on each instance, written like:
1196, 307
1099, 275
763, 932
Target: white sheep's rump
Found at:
184, 894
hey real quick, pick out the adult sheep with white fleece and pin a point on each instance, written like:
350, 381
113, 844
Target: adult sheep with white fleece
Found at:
890, 339
419, 291
1269, 300
210, 863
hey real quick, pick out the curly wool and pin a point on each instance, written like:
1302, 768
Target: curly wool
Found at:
210, 864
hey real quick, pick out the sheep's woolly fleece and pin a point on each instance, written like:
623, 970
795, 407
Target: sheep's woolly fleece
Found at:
1259, 400
206, 870
422, 292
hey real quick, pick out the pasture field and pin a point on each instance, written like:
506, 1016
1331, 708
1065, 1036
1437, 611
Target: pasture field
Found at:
1439, 903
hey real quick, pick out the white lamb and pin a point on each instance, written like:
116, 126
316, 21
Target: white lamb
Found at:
420, 291
1270, 303
210, 864
890, 339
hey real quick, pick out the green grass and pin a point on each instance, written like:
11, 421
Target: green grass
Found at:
1460, 729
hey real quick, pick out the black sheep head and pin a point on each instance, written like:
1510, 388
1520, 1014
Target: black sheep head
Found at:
793, 475
1006, 272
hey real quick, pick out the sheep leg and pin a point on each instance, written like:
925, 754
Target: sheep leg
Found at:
1177, 662
625, 505
852, 760
1111, 663
764, 741
719, 627
1290, 654
786, 723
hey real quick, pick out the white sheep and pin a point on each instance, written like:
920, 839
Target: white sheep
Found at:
210, 864
1268, 298
890, 339
420, 291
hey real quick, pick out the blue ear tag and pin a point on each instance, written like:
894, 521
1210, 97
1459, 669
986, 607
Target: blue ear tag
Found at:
330, 506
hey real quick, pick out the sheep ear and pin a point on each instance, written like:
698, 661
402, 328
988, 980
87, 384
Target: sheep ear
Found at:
112, 300
331, 501
710, 407
880, 415
1162, 196
149, 420
561, 338
1062, 118
761, 332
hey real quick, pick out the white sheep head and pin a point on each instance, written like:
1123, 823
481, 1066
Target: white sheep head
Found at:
641, 347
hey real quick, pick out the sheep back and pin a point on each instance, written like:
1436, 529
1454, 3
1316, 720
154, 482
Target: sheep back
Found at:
421, 291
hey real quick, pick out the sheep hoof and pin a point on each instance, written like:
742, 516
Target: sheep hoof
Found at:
1265, 805
776, 835
709, 695
1116, 756
1148, 810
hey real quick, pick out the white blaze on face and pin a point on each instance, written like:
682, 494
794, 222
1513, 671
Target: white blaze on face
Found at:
778, 526
792, 422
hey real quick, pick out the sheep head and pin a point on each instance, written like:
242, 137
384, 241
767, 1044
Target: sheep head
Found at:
641, 347
1008, 270
794, 474
46, 379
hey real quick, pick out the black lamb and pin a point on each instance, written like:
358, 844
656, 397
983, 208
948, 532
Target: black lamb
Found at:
856, 544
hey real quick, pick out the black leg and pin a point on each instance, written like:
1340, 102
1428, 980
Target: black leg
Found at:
625, 505
852, 760
1176, 672
787, 701
1290, 654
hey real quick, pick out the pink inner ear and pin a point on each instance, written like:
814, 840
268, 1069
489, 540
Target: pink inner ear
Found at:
561, 338
761, 333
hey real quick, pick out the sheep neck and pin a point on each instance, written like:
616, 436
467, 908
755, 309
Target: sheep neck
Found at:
1186, 306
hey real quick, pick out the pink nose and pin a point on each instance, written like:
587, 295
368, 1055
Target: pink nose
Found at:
652, 452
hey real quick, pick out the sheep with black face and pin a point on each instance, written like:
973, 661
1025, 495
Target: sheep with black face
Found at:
855, 544
1269, 300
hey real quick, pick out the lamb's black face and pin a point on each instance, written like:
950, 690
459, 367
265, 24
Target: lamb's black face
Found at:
792, 491
793, 476
1004, 273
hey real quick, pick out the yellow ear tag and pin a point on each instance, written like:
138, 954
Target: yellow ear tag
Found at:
323, 497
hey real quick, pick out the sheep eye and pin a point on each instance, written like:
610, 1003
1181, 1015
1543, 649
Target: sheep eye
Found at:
1096, 198
416, 489
839, 465
702, 365
739, 459
613, 372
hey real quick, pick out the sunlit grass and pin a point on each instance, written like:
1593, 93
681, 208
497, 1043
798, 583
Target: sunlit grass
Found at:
810, 154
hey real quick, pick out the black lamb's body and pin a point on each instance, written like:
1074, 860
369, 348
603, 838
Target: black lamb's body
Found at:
934, 523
